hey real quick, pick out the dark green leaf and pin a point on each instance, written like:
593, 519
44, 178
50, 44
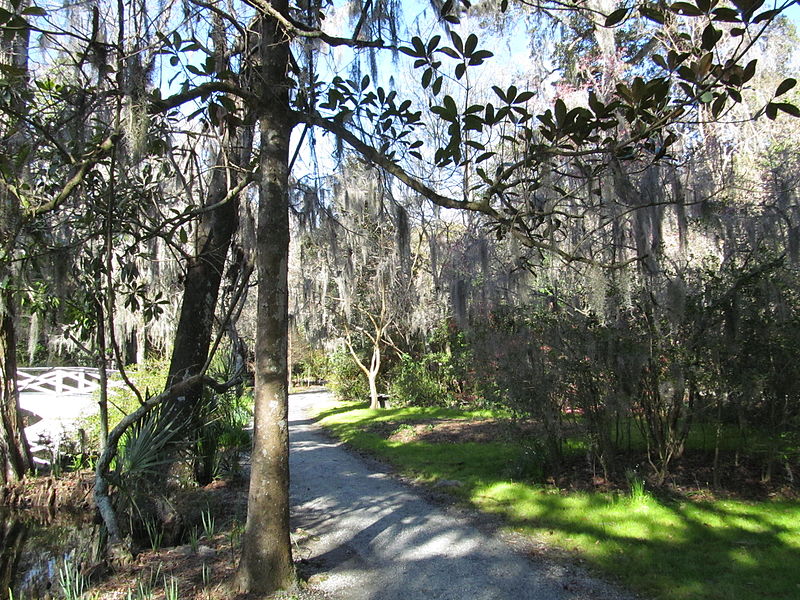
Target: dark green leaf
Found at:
719, 105
711, 36
785, 86
789, 109
457, 42
523, 97
727, 15
766, 16
660, 61
749, 71
686, 73
650, 13
684, 8
470, 45
560, 111
449, 52
616, 17
427, 75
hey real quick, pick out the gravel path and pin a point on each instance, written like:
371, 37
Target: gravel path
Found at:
364, 535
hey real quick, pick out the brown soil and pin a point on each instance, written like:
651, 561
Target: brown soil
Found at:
448, 431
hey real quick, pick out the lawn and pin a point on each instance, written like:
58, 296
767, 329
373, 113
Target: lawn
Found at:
670, 549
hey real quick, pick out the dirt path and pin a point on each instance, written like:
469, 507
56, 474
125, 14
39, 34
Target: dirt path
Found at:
371, 537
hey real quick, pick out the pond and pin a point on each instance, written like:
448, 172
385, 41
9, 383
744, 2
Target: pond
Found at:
35, 545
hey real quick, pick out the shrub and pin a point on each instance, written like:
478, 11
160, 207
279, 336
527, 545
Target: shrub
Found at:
422, 382
345, 378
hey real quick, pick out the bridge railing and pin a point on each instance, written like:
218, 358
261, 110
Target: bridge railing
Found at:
60, 380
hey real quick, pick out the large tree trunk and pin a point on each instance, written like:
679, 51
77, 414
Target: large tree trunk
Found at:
215, 231
14, 452
202, 281
266, 563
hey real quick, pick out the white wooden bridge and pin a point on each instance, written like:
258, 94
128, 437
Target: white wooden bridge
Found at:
55, 399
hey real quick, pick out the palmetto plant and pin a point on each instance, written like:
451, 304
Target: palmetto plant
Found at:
145, 452
147, 447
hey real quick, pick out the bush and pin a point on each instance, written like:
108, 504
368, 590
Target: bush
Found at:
345, 378
422, 382
149, 377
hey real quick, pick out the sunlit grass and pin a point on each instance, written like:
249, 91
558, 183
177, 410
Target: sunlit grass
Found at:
671, 550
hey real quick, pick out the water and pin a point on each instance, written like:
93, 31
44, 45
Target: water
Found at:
34, 545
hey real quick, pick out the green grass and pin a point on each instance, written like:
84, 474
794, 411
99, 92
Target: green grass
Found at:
670, 550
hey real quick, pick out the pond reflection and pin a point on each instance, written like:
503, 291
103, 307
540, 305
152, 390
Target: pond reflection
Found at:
35, 544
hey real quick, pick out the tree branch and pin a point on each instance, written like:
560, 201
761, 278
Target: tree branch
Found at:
294, 28
161, 105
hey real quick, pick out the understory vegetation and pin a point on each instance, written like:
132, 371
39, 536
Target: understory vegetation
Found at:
680, 543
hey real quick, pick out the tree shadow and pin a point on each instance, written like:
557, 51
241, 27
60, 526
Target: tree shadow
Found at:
702, 550
717, 551
363, 535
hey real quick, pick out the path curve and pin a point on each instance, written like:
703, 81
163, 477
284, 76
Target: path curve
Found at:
367, 536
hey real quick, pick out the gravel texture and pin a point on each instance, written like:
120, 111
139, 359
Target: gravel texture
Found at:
362, 534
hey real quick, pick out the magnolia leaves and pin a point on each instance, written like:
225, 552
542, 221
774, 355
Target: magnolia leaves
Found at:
772, 108
742, 12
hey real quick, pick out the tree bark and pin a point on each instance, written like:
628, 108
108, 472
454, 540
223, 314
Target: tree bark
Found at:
266, 563
14, 451
203, 276
15, 459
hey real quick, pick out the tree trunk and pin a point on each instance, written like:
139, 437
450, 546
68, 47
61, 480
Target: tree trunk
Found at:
14, 451
266, 563
202, 281
373, 389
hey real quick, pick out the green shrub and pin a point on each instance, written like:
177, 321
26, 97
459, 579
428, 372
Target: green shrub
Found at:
422, 382
345, 378
149, 378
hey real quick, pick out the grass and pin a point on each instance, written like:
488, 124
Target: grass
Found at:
662, 548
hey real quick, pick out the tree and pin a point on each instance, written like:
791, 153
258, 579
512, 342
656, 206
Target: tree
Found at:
357, 283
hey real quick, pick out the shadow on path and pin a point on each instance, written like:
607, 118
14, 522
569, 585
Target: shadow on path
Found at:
369, 537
